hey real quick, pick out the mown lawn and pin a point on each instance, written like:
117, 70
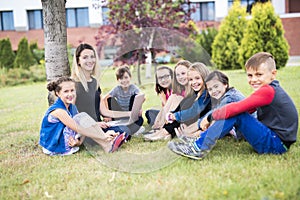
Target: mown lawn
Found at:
139, 170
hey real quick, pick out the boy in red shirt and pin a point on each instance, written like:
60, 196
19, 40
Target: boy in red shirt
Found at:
275, 128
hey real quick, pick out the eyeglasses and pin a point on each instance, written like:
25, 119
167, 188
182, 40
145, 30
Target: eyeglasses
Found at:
164, 77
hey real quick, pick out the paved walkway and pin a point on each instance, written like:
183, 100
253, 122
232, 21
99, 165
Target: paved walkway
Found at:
293, 61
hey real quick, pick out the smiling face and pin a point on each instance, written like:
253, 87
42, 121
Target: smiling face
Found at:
67, 92
216, 89
124, 81
87, 60
195, 80
261, 76
181, 75
164, 78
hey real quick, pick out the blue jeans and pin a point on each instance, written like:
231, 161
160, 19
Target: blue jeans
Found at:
259, 136
129, 129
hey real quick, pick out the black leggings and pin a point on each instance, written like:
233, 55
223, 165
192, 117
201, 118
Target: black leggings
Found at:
114, 105
184, 104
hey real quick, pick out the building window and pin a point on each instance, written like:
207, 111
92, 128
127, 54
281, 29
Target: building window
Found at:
293, 6
6, 21
105, 16
201, 11
77, 17
35, 19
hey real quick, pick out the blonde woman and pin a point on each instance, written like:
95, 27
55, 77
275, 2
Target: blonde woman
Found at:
85, 72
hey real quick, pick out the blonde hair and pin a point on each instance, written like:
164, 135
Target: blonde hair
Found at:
77, 73
176, 87
202, 69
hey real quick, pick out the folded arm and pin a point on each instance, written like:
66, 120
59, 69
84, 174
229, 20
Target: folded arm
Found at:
110, 113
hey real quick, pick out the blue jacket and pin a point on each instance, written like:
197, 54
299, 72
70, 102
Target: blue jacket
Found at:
231, 95
51, 134
200, 105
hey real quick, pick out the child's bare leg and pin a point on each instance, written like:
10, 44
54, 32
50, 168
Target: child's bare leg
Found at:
172, 104
87, 126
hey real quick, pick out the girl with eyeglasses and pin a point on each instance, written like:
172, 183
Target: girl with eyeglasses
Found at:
163, 88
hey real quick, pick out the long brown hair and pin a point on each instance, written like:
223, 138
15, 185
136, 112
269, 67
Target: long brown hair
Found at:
158, 88
77, 73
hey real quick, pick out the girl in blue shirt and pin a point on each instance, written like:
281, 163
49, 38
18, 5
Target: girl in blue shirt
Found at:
217, 85
59, 131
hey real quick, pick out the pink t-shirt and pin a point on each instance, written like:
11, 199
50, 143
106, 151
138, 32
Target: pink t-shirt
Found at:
168, 93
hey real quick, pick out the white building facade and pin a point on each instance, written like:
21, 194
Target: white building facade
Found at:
25, 16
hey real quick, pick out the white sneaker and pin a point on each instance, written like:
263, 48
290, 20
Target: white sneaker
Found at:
140, 131
70, 152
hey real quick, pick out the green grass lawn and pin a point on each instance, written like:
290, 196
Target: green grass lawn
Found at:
139, 170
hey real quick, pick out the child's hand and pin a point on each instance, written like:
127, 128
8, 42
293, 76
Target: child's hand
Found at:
103, 124
170, 117
110, 135
204, 124
181, 130
73, 142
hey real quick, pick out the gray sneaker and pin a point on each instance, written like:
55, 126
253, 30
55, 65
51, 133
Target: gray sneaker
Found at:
187, 150
187, 139
140, 131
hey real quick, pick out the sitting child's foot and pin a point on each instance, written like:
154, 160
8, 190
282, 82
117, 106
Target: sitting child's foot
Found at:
187, 150
119, 140
158, 135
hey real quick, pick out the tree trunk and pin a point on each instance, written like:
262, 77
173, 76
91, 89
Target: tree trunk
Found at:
148, 64
149, 55
55, 34
140, 54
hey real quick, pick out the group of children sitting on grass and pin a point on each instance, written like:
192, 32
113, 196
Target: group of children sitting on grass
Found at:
198, 108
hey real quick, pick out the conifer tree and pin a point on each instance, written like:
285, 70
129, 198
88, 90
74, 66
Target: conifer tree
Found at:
7, 55
37, 54
227, 41
206, 39
24, 58
264, 32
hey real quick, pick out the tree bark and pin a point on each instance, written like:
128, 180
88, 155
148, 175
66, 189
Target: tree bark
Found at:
140, 54
55, 36
149, 55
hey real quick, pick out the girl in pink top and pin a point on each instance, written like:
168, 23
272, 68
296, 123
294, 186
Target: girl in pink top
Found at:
163, 88
179, 86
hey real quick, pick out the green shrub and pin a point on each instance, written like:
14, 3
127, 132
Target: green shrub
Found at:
227, 41
17, 76
37, 73
7, 55
38, 54
206, 38
24, 58
264, 33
